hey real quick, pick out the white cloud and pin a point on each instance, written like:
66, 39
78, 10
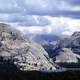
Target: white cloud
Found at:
9, 6
67, 7
31, 30
31, 16
24, 20
46, 6
59, 25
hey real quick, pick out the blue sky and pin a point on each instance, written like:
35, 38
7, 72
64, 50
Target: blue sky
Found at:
42, 16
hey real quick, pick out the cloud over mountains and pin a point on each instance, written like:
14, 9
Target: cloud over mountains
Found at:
40, 16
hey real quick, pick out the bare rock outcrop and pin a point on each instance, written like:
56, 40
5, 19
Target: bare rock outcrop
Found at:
24, 54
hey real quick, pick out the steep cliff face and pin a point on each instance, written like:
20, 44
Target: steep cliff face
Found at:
24, 54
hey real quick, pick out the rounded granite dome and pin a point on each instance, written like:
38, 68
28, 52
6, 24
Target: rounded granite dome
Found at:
9, 32
25, 54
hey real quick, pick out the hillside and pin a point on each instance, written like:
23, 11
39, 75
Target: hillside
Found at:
20, 52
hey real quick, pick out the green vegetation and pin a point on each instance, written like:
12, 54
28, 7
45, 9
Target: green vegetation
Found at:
35, 75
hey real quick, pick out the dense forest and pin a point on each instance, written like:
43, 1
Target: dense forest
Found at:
35, 75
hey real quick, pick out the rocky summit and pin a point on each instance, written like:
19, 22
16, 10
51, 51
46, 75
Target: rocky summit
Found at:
68, 49
16, 52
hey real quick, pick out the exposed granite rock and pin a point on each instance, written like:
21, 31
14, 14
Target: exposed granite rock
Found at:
24, 54
67, 56
71, 46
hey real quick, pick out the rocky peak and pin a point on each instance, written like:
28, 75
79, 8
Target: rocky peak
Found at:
24, 54
68, 49
3, 26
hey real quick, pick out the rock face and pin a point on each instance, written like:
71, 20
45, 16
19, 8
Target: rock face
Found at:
22, 53
68, 49
66, 55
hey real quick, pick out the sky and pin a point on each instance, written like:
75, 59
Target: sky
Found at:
61, 17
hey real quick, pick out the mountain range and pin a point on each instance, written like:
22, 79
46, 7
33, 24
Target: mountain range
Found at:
61, 49
41, 53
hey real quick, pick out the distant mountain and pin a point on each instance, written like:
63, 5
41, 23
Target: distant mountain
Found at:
43, 38
64, 49
20, 52
67, 49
